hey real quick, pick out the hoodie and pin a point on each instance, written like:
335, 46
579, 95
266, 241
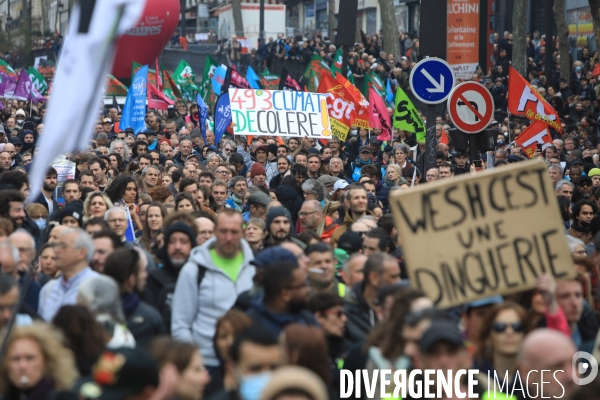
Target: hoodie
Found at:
196, 310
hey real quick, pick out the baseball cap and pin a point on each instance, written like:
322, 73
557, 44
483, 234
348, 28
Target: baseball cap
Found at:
584, 178
121, 373
341, 184
441, 331
513, 158
577, 161
107, 121
488, 301
259, 199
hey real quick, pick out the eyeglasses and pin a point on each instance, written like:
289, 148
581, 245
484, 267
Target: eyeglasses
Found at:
361, 233
228, 150
223, 172
500, 327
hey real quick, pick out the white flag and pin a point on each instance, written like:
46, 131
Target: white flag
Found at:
80, 76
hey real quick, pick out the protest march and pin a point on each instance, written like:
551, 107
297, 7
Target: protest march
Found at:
240, 230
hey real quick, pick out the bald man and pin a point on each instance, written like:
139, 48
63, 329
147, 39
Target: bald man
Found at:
206, 229
552, 351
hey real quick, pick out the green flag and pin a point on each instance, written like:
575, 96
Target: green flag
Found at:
37, 80
336, 64
7, 70
313, 82
185, 79
316, 65
372, 80
406, 116
269, 81
209, 69
351, 77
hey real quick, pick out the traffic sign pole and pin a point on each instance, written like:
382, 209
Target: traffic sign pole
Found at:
428, 158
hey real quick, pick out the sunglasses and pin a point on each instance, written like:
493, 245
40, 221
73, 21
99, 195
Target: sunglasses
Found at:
500, 327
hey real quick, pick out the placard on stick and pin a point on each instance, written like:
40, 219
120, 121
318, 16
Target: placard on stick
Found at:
472, 237
279, 113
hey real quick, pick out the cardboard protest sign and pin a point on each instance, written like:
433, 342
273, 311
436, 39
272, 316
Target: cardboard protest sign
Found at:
280, 113
476, 236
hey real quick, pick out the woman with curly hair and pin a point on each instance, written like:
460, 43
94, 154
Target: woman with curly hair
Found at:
50, 370
153, 226
123, 190
116, 161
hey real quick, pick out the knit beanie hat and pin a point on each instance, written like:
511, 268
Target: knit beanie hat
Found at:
257, 169
275, 212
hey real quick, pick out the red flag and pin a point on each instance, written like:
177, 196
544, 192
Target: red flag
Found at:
379, 117
361, 104
340, 107
159, 84
156, 98
525, 101
535, 133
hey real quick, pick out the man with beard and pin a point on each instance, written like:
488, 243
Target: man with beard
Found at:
286, 294
180, 239
12, 207
46, 197
237, 187
283, 166
355, 200
462, 166
583, 212
128, 269
584, 188
279, 227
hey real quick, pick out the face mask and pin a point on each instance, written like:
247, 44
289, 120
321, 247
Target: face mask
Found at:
41, 223
20, 122
584, 225
354, 132
578, 69
252, 386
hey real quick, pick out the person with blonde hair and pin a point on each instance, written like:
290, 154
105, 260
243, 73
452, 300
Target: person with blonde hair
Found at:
37, 365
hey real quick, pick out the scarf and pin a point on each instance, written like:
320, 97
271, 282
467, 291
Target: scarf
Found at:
579, 226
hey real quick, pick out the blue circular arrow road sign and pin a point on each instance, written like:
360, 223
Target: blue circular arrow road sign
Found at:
432, 80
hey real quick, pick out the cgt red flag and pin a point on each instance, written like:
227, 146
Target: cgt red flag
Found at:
379, 117
536, 133
156, 98
525, 101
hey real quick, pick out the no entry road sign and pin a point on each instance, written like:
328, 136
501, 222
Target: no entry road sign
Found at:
471, 107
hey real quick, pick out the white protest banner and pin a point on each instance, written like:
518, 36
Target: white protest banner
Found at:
65, 169
279, 113
472, 237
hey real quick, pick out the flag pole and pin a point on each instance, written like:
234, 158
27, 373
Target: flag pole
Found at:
508, 118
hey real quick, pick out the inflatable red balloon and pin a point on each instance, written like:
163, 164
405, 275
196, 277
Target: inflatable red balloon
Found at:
144, 43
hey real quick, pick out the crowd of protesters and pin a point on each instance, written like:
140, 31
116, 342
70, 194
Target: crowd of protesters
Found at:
174, 265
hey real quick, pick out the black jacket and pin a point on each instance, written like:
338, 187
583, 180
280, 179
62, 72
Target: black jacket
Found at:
145, 323
159, 289
361, 317
276, 323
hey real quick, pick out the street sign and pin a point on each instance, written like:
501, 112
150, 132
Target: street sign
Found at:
432, 80
471, 107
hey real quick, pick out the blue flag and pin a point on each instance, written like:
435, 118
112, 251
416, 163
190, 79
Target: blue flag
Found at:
218, 79
203, 114
129, 232
134, 110
389, 96
222, 116
252, 78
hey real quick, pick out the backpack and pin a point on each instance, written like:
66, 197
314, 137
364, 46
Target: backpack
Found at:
165, 296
